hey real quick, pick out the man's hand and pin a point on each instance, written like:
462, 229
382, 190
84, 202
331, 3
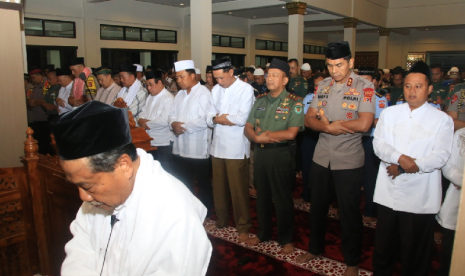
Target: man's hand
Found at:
74, 102
335, 128
60, 102
265, 139
143, 123
222, 120
49, 107
408, 164
393, 171
177, 128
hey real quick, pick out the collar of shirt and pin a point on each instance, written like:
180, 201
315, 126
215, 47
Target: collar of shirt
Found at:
281, 96
417, 111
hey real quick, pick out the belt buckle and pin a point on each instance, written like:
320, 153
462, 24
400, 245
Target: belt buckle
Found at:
262, 146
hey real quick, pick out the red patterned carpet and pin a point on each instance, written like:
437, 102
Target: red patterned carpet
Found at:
266, 260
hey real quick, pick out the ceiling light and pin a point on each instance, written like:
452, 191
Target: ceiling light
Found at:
181, 4
284, 7
426, 29
230, 12
254, 16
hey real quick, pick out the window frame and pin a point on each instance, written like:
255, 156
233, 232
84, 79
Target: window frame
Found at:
271, 45
50, 20
140, 34
220, 37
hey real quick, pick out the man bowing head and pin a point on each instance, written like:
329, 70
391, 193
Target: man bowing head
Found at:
125, 225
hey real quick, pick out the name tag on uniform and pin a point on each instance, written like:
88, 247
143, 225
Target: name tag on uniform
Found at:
260, 109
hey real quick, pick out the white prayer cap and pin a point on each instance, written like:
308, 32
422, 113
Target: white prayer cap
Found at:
267, 65
252, 66
259, 72
139, 67
184, 65
454, 70
386, 71
306, 67
197, 71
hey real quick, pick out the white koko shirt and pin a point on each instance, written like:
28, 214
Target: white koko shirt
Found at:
453, 170
64, 95
152, 237
229, 142
424, 134
157, 109
191, 109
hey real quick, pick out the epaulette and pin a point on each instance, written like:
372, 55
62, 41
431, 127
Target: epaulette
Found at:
261, 95
401, 99
381, 93
294, 97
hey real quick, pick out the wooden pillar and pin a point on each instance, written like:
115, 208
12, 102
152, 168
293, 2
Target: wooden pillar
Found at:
350, 31
383, 47
296, 11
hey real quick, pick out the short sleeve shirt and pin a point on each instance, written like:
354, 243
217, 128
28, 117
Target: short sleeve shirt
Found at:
342, 152
458, 101
452, 90
381, 104
275, 114
439, 93
395, 94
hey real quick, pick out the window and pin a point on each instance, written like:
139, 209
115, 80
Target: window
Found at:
312, 49
50, 28
109, 32
271, 45
228, 41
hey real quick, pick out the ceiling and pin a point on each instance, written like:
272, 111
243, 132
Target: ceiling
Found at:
177, 3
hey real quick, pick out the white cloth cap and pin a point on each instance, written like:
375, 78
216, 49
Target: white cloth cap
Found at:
259, 72
454, 70
184, 65
252, 66
267, 65
197, 71
386, 71
306, 67
139, 67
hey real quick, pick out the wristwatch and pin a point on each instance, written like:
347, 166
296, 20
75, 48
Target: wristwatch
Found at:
401, 170
260, 132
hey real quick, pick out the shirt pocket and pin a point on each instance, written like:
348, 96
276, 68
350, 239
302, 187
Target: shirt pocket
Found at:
260, 112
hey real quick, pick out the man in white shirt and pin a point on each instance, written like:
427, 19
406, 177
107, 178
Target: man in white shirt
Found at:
191, 147
127, 224
447, 217
413, 141
66, 82
154, 119
232, 100
108, 90
133, 93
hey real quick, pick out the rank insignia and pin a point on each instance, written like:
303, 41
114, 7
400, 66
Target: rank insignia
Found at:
349, 115
325, 90
352, 106
297, 109
349, 82
344, 105
368, 94
454, 98
324, 103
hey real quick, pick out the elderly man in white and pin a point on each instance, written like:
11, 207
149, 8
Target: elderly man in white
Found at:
413, 141
191, 147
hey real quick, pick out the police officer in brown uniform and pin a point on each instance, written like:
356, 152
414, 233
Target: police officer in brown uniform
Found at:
343, 109
457, 107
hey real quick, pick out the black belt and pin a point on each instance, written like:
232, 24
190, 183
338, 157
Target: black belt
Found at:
272, 146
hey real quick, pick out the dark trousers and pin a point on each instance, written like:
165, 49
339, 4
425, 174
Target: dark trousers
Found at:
447, 246
370, 173
405, 235
347, 184
273, 173
164, 155
307, 149
42, 132
186, 169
